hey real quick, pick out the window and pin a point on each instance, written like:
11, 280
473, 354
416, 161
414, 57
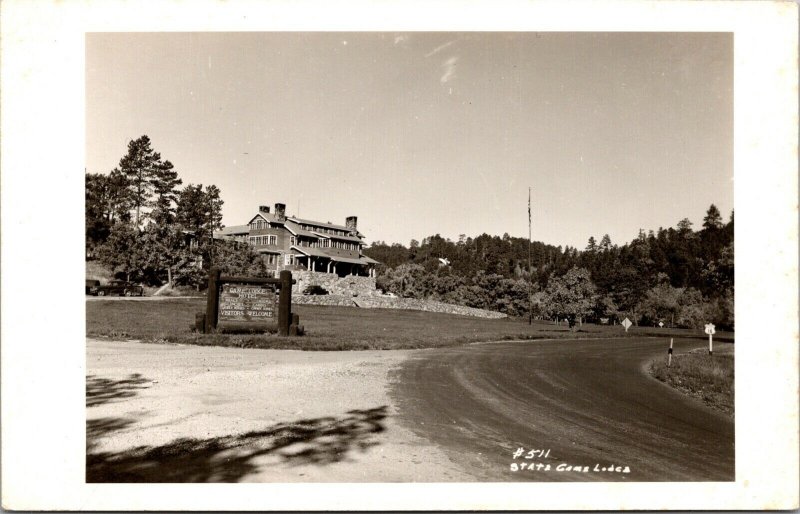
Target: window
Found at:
259, 225
271, 240
288, 259
326, 243
292, 240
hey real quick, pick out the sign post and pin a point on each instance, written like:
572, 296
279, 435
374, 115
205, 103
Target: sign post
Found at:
669, 353
710, 331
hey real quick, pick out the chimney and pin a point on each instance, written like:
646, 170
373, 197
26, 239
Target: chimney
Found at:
280, 211
263, 208
351, 222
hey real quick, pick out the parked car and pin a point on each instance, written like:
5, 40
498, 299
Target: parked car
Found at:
90, 284
117, 287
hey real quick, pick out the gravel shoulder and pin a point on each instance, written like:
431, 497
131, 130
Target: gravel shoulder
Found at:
186, 413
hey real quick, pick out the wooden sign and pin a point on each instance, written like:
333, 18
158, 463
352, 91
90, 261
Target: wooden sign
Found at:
247, 303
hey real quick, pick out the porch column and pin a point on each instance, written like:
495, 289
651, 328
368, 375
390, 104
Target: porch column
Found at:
329, 266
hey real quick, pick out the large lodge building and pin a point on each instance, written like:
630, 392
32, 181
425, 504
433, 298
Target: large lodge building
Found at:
297, 244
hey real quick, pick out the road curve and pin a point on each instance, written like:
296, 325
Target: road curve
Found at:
589, 402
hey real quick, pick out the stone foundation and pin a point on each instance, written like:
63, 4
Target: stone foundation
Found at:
334, 284
383, 302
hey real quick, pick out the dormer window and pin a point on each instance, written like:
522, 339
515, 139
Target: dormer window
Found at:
259, 225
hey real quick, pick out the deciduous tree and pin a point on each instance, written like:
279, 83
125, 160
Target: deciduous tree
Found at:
573, 295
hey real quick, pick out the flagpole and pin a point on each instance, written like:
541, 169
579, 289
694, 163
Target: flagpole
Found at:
530, 270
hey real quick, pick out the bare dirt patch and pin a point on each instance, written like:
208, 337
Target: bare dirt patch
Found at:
173, 413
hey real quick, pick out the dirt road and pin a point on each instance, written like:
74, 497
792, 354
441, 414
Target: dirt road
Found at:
169, 413
587, 403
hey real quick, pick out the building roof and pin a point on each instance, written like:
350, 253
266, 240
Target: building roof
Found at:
309, 250
349, 260
340, 238
295, 229
319, 223
293, 224
233, 229
320, 252
266, 216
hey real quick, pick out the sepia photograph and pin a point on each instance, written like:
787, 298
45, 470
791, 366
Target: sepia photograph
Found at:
472, 256
358, 260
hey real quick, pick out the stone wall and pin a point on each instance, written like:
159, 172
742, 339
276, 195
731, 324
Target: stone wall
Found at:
335, 285
383, 302
328, 299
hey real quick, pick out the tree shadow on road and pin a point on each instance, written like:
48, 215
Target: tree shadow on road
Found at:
99, 428
317, 441
104, 390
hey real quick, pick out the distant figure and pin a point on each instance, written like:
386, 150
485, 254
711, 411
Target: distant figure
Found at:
571, 321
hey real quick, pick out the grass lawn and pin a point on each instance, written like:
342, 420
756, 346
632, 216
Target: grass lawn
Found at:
707, 377
329, 328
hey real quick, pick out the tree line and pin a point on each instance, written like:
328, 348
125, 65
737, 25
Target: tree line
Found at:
146, 228
677, 276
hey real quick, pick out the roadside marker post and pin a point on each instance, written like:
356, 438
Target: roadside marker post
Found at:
710, 331
669, 353
627, 324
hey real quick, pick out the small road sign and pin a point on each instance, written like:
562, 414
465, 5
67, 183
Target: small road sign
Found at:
710, 331
661, 324
627, 324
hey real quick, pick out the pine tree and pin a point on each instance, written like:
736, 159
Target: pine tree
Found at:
605, 243
139, 168
713, 219
199, 212
164, 181
685, 228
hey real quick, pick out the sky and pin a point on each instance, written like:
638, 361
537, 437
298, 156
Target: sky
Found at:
424, 133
